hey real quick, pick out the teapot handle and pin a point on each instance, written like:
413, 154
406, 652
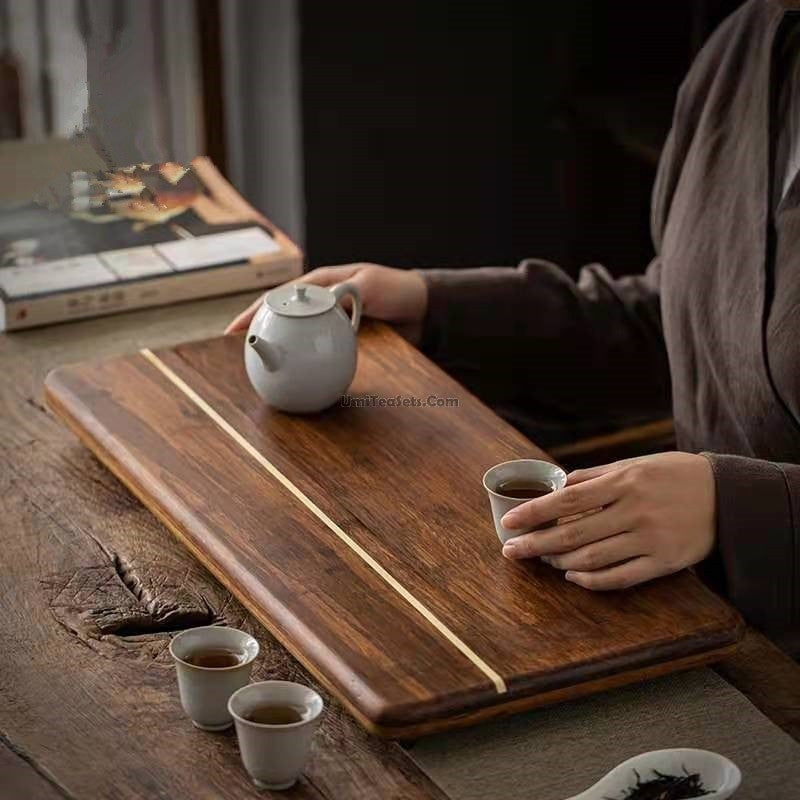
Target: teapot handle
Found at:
342, 289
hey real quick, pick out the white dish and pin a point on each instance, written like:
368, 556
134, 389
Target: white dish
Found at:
718, 774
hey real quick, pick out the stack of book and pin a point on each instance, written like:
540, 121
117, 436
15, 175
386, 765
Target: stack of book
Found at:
143, 235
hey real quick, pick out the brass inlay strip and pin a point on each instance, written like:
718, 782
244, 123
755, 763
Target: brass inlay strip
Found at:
420, 607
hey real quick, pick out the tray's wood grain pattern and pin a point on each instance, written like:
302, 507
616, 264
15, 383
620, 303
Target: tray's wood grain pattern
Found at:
481, 635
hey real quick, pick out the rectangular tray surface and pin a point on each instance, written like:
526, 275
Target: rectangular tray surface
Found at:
362, 536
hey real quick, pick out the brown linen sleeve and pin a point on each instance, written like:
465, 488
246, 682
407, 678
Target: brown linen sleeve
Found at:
530, 337
758, 519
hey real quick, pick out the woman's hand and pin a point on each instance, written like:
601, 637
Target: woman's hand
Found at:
657, 516
393, 295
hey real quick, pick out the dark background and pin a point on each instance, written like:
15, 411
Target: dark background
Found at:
464, 133
413, 133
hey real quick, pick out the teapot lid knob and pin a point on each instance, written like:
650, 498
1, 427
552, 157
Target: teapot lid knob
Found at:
299, 299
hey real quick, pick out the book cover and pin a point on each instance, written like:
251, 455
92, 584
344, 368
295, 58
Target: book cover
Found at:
115, 229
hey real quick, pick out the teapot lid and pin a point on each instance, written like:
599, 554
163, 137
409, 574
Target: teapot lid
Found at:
300, 300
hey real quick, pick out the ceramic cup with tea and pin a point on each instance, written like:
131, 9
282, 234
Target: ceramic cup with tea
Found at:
515, 482
211, 663
275, 722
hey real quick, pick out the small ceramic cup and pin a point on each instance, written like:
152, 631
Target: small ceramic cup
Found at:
274, 755
205, 690
521, 469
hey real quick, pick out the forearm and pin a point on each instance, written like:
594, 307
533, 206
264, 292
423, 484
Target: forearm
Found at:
586, 350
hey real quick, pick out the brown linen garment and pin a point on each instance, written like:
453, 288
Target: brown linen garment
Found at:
717, 315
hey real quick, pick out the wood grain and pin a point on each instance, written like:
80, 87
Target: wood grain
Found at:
21, 780
404, 483
92, 587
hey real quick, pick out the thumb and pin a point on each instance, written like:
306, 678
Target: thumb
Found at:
359, 281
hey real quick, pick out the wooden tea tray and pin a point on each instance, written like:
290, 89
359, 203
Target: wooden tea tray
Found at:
362, 537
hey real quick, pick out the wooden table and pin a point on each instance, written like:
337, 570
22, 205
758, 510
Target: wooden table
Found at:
91, 586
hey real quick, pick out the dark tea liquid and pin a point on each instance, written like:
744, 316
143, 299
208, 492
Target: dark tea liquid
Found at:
273, 714
214, 658
520, 489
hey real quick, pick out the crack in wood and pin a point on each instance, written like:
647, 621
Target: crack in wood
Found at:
115, 605
106, 603
129, 578
111, 609
167, 615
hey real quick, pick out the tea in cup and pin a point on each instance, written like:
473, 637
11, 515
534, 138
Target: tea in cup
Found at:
211, 663
515, 482
275, 722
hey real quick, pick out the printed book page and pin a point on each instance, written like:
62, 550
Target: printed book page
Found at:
54, 276
218, 248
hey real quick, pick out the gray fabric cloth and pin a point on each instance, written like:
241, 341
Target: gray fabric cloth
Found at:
710, 331
554, 753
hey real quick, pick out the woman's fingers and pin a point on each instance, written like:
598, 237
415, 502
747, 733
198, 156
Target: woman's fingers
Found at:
568, 536
599, 554
322, 276
581, 475
328, 276
621, 576
566, 502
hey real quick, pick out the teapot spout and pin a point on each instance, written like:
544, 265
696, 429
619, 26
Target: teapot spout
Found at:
267, 353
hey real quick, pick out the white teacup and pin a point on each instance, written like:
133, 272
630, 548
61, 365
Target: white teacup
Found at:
274, 754
205, 690
529, 469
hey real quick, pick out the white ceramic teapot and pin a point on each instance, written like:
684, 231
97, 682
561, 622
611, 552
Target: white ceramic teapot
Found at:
300, 351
